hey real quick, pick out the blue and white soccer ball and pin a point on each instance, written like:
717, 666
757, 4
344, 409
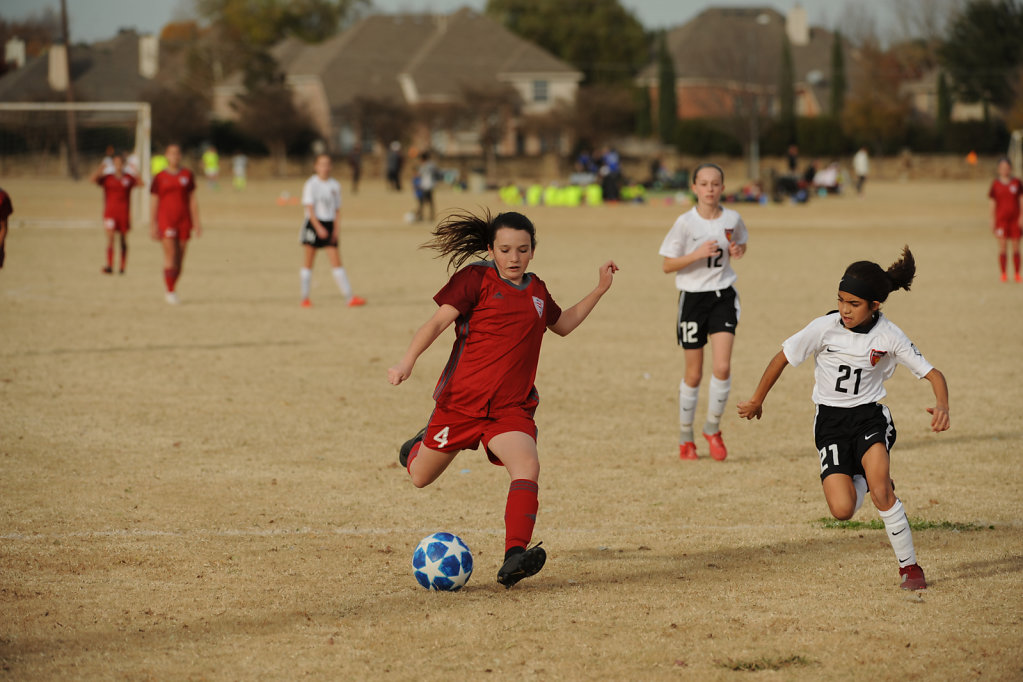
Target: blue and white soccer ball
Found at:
442, 562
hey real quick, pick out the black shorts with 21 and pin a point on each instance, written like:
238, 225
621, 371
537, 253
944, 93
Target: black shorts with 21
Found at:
844, 434
705, 312
310, 237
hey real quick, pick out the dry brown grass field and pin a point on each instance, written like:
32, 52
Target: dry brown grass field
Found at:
210, 491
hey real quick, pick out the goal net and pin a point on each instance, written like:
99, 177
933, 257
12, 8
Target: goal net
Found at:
36, 153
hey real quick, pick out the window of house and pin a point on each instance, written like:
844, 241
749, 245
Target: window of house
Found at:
540, 91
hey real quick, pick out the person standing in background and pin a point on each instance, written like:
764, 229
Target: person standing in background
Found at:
861, 168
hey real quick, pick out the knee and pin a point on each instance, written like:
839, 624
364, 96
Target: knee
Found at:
420, 481
722, 371
883, 499
843, 511
693, 376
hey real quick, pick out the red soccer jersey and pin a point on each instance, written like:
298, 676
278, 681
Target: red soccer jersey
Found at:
117, 194
1007, 196
173, 191
497, 344
6, 208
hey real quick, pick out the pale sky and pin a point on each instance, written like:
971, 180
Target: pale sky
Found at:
92, 20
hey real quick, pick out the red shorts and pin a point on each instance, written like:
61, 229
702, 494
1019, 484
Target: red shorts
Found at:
1008, 229
181, 232
116, 224
450, 431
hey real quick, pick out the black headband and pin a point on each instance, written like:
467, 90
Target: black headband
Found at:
858, 287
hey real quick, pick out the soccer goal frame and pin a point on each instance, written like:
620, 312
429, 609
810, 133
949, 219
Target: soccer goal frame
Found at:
1016, 150
143, 134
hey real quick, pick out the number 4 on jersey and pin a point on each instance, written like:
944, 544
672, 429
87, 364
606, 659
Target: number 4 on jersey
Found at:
442, 437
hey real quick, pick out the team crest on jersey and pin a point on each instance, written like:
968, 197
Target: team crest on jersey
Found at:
876, 355
538, 304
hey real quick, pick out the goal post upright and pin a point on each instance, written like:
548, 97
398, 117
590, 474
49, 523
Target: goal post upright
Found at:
143, 132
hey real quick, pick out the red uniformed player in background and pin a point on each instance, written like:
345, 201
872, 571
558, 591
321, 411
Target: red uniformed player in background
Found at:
117, 186
174, 215
486, 392
6, 209
1005, 196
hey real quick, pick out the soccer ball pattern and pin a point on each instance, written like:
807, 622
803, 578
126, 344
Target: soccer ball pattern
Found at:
442, 562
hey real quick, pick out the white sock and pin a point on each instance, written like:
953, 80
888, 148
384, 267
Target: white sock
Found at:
687, 397
342, 282
305, 275
717, 400
860, 483
897, 525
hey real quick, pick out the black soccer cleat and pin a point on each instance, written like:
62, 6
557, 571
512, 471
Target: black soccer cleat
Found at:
407, 446
521, 564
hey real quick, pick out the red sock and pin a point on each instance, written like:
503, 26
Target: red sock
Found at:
169, 278
1001, 262
110, 257
413, 453
520, 513
1015, 261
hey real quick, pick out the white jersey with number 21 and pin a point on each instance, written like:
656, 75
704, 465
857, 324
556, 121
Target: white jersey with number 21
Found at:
851, 368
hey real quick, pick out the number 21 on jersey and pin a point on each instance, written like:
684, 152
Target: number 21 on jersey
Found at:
825, 452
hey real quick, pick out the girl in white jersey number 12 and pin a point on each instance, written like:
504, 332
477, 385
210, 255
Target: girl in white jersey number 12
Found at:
698, 250
855, 349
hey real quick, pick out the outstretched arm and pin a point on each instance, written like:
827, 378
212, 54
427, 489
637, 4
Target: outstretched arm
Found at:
754, 406
422, 340
939, 413
573, 317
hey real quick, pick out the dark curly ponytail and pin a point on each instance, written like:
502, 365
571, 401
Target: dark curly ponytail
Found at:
463, 235
868, 281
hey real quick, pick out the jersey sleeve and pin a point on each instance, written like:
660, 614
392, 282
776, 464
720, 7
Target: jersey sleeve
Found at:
307, 193
991, 191
551, 309
6, 208
463, 290
154, 186
674, 243
741, 234
805, 343
909, 356
190, 187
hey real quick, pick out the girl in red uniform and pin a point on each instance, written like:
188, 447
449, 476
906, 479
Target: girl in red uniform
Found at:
486, 392
1005, 196
117, 186
174, 215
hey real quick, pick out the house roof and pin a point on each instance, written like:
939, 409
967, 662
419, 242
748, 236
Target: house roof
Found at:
107, 71
744, 45
437, 56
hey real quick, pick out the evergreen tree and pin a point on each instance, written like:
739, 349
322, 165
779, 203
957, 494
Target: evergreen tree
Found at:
838, 82
667, 102
944, 108
787, 93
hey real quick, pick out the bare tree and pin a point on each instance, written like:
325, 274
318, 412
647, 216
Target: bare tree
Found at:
924, 20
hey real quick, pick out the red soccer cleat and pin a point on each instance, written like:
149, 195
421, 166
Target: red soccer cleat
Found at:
717, 446
913, 578
1005, 277
687, 451
306, 303
107, 270
1019, 278
356, 301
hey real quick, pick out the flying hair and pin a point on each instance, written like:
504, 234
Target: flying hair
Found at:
867, 280
463, 235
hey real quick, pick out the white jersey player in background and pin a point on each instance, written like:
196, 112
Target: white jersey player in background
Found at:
855, 350
698, 249
321, 198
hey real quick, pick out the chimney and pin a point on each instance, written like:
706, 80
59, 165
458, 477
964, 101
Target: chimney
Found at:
797, 26
149, 55
57, 76
14, 52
